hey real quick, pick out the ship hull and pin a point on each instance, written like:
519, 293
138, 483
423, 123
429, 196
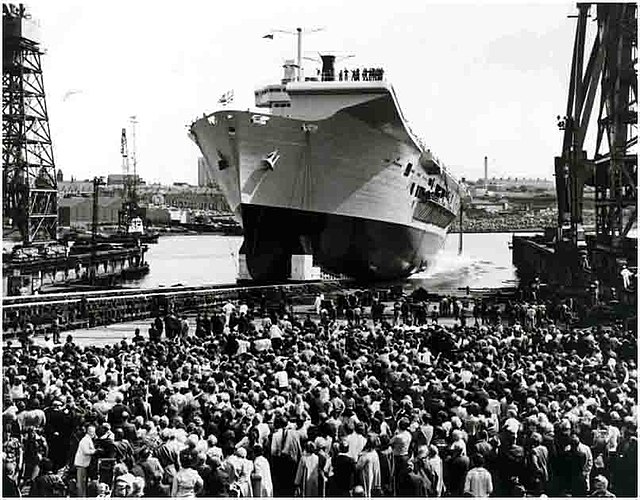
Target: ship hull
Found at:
349, 189
360, 248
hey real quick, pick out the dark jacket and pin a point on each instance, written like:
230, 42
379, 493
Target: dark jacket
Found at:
344, 470
47, 485
411, 484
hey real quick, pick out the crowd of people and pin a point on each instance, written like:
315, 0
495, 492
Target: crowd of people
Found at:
50, 318
366, 74
484, 222
378, 400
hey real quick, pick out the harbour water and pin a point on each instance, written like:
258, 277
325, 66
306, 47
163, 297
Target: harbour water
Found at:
212, 259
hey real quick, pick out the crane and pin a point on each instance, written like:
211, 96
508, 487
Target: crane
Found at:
612, 169
129, 210
30, 189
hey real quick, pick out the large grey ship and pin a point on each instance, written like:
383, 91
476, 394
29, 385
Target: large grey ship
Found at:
332, 170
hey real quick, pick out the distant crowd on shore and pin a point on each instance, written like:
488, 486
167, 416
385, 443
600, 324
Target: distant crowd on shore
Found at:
511, 222
510, 399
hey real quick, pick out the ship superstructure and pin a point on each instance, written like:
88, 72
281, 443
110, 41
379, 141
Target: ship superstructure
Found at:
331, 170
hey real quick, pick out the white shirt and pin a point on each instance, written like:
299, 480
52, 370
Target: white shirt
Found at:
275, 332
283, 379
100, 372
262, 344
243, 346
85, 452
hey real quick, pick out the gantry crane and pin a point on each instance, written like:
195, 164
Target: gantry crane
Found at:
611, 169
30, 191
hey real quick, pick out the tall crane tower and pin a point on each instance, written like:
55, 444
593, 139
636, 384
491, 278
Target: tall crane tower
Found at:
30, 197
611, 169
130, 207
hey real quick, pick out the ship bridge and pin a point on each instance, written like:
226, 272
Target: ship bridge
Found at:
298, 98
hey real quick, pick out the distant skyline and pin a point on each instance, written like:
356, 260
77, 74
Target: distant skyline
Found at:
472, 79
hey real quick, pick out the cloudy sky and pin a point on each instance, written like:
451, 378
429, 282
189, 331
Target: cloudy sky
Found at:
473, 79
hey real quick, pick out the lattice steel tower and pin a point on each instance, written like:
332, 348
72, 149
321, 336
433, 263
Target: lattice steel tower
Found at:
607, 86
29, 174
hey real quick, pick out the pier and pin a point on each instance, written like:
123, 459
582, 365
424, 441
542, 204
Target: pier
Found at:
108, 266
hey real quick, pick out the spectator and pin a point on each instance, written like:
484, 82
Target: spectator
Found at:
187, 482
47, 484
263, 471
82, 460
368, 468
419, 395
478, 483
600, 488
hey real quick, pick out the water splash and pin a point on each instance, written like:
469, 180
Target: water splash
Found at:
483, 265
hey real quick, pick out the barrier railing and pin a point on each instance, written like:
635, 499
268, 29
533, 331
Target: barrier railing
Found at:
88, 309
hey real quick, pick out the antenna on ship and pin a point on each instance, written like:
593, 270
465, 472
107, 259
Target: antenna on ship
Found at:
298, 32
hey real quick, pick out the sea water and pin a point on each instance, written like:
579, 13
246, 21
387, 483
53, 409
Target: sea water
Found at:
194, 260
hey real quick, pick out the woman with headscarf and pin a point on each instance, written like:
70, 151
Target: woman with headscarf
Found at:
307, 478
368, 468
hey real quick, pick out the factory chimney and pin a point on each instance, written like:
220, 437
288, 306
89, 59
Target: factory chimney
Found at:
486, 174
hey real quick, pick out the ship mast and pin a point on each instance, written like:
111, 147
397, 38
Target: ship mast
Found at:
298, 32
299, 58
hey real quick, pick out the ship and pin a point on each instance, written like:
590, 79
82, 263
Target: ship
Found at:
331, 169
